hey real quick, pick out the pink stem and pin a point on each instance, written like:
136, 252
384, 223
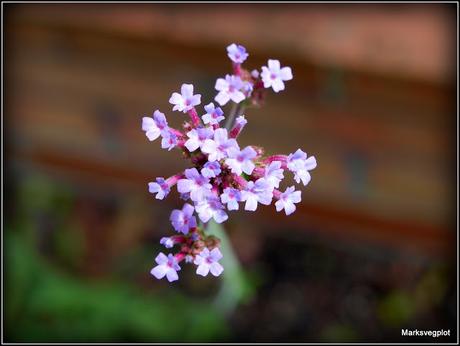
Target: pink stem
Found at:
171, 181
194, 117
236, 130
176, 132
178, 239
282, 158
277, 193
258, 172
239, 180
179, 256
237, 69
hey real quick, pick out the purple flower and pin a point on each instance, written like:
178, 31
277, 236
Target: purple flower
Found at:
218, 147
167, 266
237, 53
229, 89
185, 101
183, 220
300, 166
169, 140
211, 169
207, 261
211, 207
295, 159
274, 76
258, 192
241, 160
197, 137
161, 188
168, 242
213, 115
231, 197
195, 184
154, 126
287, 199
274, 173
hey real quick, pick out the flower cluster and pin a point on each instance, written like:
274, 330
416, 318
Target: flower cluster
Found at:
223, 175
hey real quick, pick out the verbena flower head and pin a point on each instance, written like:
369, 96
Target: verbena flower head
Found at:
222, 173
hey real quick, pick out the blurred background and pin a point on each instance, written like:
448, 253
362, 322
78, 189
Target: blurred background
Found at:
371, 248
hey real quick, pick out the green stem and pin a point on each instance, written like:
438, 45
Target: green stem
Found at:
234, 286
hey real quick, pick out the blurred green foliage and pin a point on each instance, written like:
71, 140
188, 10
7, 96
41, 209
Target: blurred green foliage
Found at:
339, 333
45, 305
396, 309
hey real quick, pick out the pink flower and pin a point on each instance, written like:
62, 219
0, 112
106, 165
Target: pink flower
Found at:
160, 187
154, 126
167, 266
183, 220
211, 169
287, 199
196, 138
237, 53
231, 197
240, 161
274, 76
185, 101
211, 208
300, 166
195, 184
213, 115
207, 261
217, 148
169, 140
229, 89
257, 192
274, 173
